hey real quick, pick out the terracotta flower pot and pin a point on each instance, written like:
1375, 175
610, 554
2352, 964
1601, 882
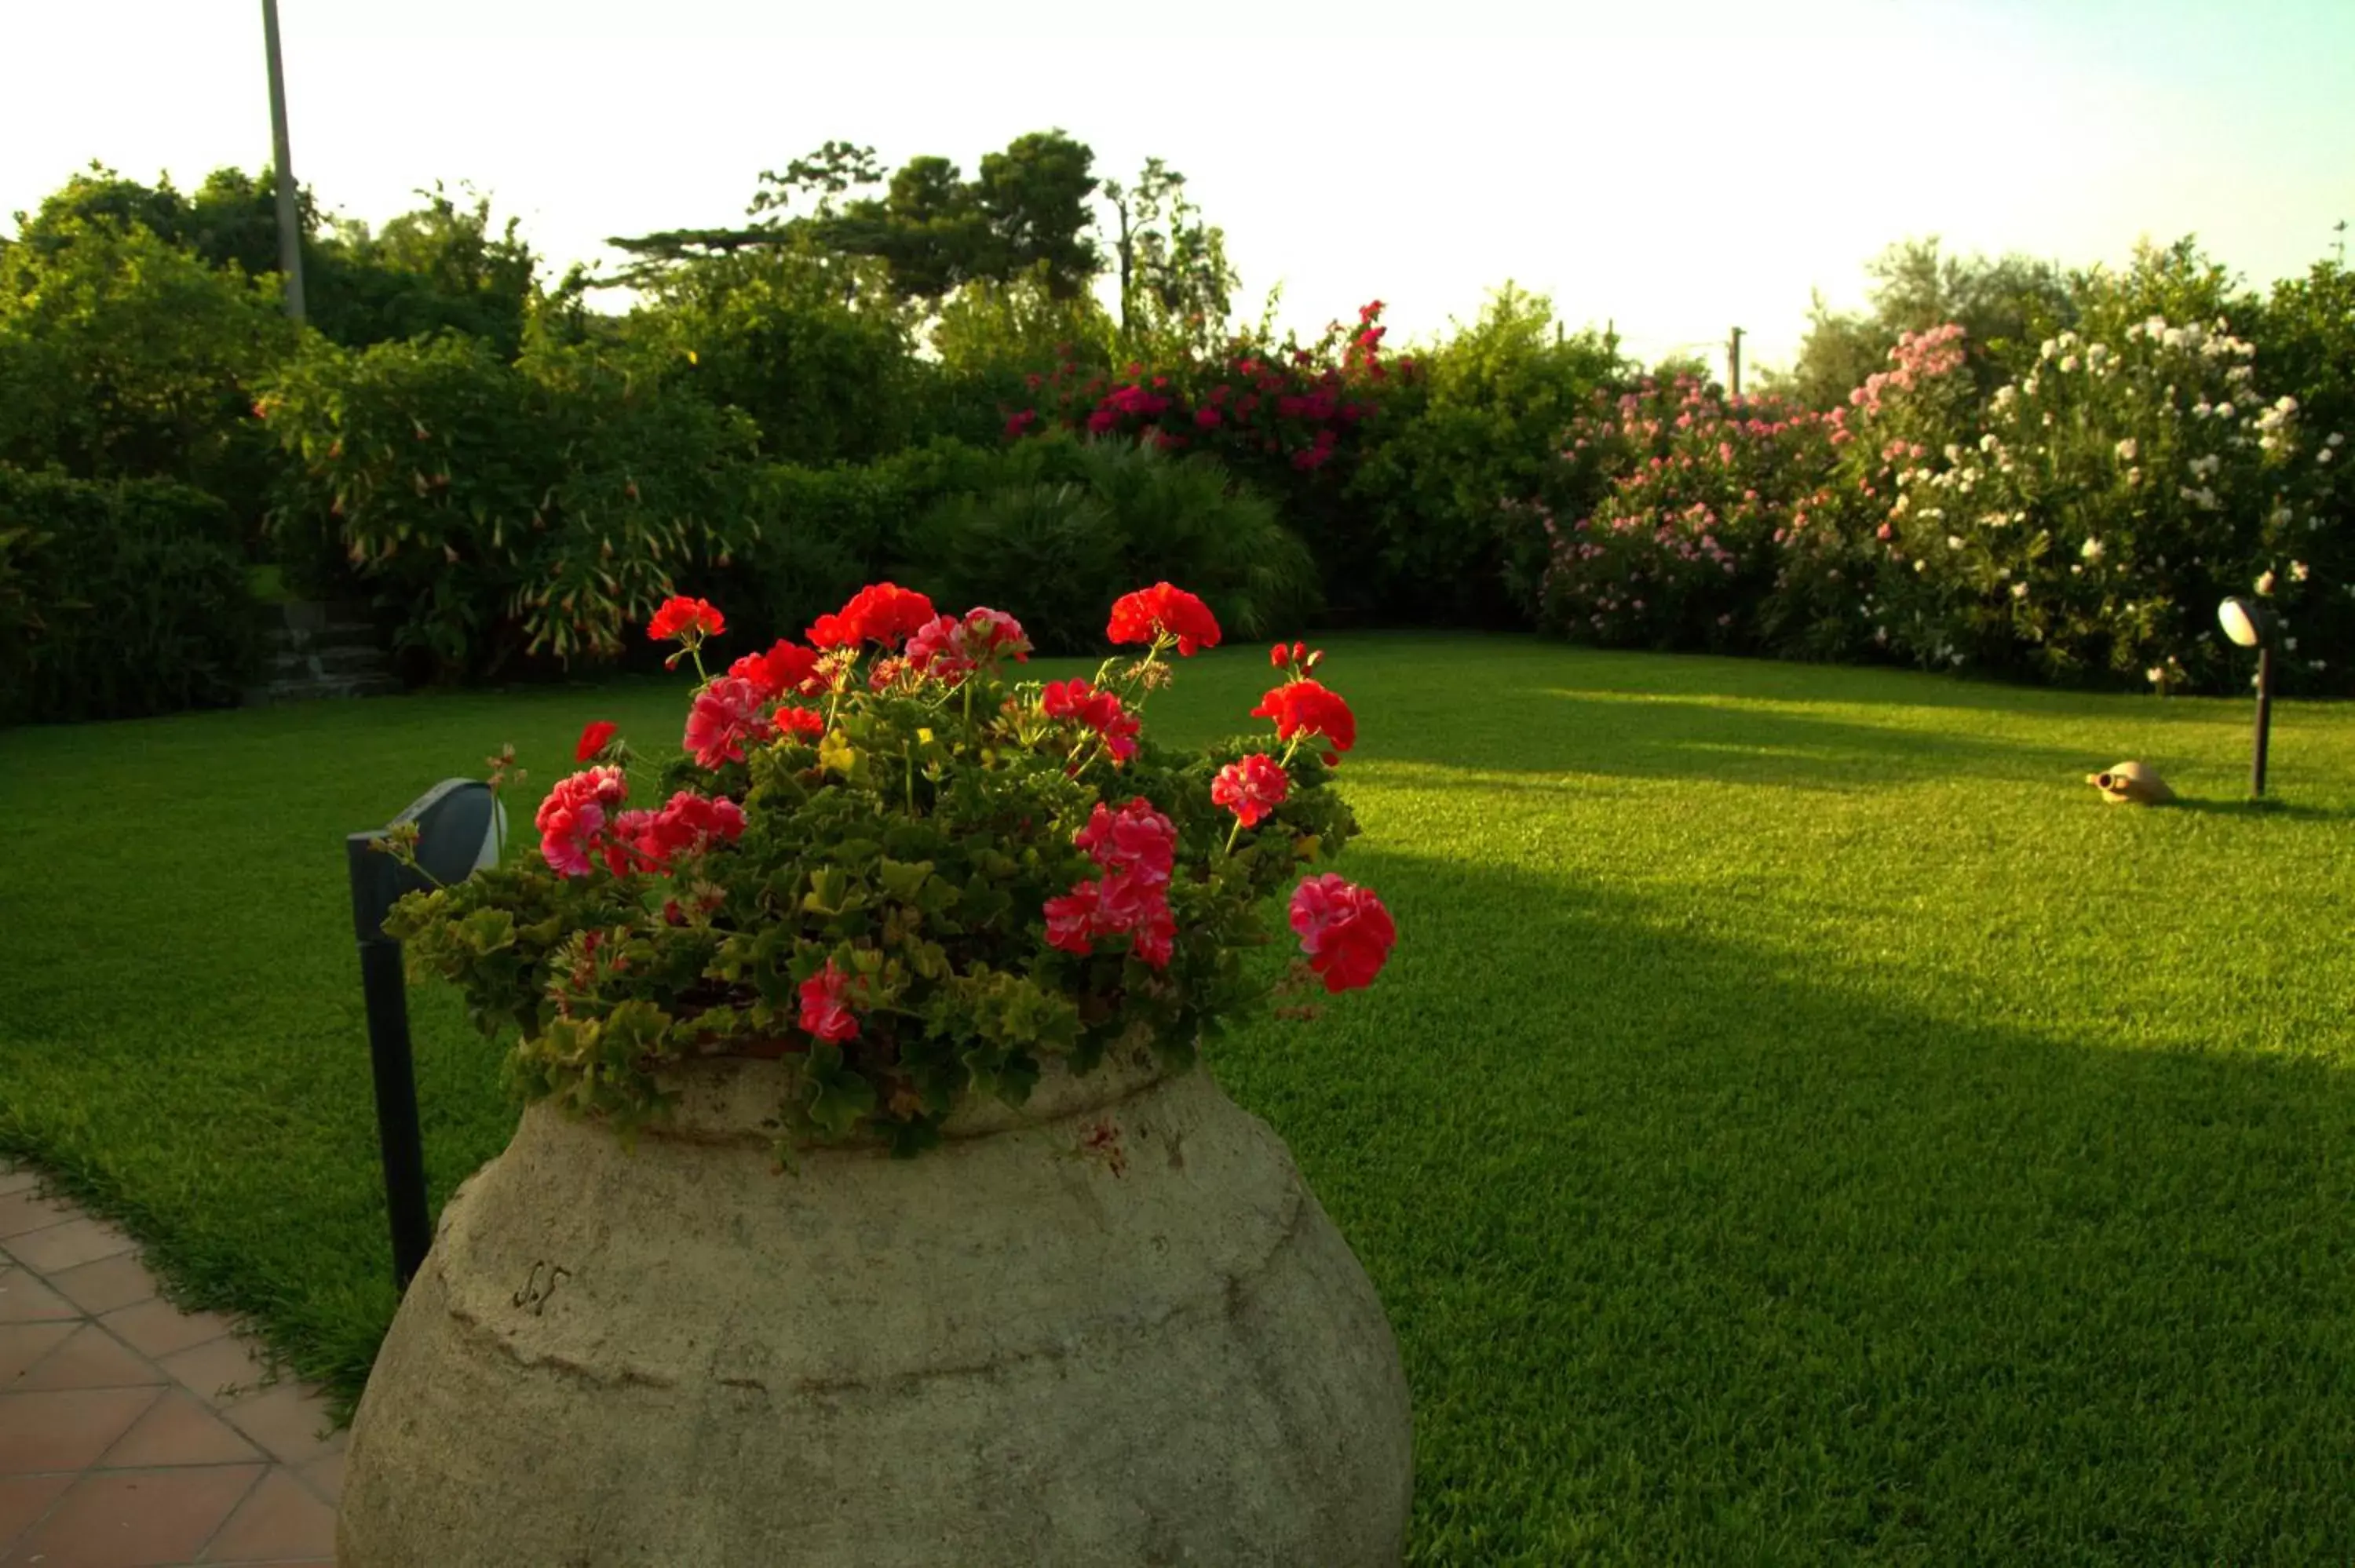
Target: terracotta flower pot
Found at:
1038, 1344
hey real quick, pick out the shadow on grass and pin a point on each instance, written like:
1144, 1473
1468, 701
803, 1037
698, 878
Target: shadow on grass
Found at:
1696, 1255
2246, 810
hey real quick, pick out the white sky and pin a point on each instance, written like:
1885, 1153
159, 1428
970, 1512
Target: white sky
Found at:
1678, 169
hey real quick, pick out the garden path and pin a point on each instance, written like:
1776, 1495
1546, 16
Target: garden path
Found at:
133, 1432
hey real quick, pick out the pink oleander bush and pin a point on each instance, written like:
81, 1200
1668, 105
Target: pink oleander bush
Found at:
2080, 526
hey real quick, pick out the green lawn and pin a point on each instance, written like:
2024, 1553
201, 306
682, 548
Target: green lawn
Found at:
1800, 1123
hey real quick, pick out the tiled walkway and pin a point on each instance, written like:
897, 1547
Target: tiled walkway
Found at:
133, 1433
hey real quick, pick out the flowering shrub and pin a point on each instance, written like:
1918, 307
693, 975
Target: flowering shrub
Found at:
2081, 525
1295, 422
1302, 406
892, 864
2112, 496
1697, 490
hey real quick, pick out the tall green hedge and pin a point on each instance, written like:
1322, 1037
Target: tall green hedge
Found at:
119, 599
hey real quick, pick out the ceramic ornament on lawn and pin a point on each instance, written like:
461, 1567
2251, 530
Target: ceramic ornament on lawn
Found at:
2131, 783
870, 1211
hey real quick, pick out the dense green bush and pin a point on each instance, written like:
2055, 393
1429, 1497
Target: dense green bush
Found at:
1065, 521
440, 267
991, 342
814, 347
1481, 425
813, 537
1046, 522
539, 507
118, 599
125, 356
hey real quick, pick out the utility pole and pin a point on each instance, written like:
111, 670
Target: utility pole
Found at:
289, 232
1734, 359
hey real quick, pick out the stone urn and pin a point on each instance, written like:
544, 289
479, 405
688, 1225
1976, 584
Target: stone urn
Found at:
1109, 1328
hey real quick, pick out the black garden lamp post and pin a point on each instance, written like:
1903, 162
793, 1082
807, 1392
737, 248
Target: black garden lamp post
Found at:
2254, 625
459, 825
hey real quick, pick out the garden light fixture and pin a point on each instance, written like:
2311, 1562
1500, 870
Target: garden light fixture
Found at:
460, 826
2253, 625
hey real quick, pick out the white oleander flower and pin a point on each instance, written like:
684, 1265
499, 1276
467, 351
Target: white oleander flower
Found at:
1953, 541
2127, 449
2299, 571
2092, 550
2265, 584
2019, 590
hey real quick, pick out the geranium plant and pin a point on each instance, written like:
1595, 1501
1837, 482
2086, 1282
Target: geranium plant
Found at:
892, 863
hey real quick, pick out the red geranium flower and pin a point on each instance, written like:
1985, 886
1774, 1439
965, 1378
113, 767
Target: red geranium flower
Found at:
724, 716
947, 649
679, 617
1344, 930
689, 824
881, 612
592, 739
1070, 918
1307, 707
1251, 787
787, 669
1100, 711
1163, 611
574, 814
807, 723
826, 1004
1137, 848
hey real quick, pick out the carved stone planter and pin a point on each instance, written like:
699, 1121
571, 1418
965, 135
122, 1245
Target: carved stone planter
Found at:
1007, 1351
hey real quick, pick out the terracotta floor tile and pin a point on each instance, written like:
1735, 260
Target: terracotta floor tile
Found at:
24, 1346
221, 1372
325, 1475
157, 1327
24, 1499
122, 1518
25, 1300
179, 1430
91, 1358
289, 1421
26, 1210
280, 1521
66, 1430
103, 1285
55, 1248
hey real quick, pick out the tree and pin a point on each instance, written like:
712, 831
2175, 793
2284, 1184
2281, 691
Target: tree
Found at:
808, 342
2002, 304
438, 267
1034, 195
934, 229
1175, 282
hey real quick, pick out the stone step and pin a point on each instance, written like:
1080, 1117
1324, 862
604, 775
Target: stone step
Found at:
325, 663
335, 634
314, 690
